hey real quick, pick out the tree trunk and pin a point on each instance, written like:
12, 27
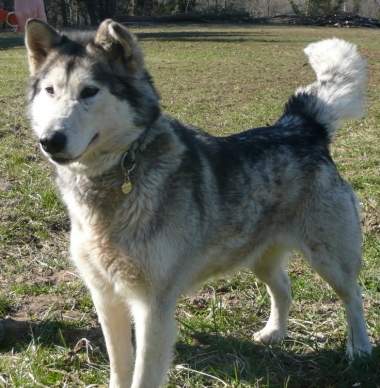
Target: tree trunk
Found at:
64, 13
91, 10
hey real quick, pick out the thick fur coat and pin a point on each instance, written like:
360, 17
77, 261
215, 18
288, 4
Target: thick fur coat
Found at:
195, 205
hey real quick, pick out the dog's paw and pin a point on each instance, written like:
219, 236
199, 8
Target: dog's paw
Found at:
358, 350
269, 336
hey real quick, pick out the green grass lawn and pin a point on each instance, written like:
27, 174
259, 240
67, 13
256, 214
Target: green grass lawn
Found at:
224, 79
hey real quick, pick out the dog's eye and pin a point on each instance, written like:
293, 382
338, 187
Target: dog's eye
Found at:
49, 90
89, 92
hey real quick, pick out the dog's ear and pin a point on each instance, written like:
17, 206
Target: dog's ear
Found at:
40, 38
120, 47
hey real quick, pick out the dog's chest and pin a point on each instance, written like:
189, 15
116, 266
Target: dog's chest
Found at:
101, 240
103, 212
91, 199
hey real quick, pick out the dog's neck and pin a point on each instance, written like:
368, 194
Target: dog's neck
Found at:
128, 159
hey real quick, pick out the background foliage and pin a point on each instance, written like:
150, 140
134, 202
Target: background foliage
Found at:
91, 12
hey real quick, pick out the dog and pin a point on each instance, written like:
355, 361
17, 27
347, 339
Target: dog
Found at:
158, 207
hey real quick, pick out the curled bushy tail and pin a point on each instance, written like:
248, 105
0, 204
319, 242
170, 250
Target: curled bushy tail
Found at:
338, 93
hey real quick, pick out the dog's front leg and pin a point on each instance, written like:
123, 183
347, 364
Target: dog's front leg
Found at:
112, 309
155, 337
115, 320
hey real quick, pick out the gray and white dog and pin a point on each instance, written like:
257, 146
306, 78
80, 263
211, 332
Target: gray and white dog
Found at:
157, 207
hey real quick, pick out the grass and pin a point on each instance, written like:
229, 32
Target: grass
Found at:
223, 79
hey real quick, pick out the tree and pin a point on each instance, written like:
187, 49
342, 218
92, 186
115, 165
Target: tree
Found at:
324, 6
315, 7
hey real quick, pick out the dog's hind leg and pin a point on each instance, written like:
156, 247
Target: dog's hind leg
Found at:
155, 336
334, 251
340, 269
270, 270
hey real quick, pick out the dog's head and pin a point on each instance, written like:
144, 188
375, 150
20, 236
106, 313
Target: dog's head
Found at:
89, 92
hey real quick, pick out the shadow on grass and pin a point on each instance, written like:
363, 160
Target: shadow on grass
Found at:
206, 36
226, 358
9, 41
51, 332
235, 360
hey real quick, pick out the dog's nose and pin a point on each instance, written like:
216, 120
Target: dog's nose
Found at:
53, 143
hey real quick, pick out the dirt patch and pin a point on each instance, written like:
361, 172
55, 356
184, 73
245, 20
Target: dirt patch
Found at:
5, 184
37, 313
57, 313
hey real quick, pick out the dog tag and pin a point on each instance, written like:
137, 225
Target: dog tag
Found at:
126, 188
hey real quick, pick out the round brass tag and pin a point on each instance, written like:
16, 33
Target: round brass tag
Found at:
126, 188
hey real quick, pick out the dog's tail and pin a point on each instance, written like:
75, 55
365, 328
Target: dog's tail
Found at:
338, 93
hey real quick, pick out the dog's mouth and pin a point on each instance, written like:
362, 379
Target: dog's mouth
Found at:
65, 161
62, 161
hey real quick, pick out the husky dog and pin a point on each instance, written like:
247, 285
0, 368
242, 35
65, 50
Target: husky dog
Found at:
157, 207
